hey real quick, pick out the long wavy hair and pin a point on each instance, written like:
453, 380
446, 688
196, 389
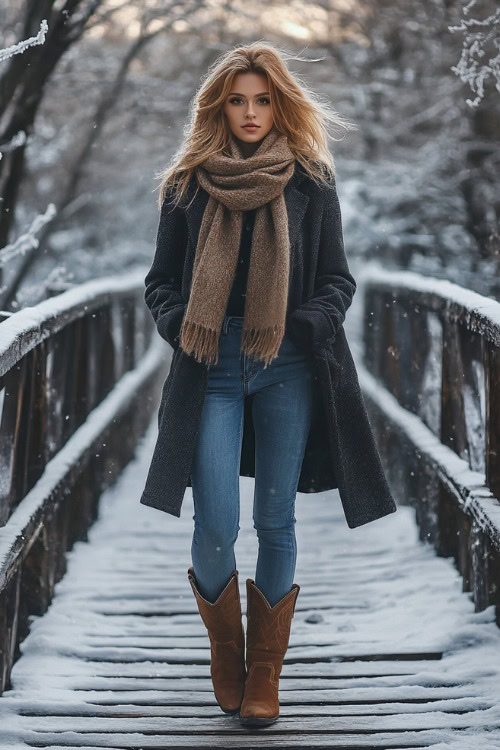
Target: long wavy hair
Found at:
303, 115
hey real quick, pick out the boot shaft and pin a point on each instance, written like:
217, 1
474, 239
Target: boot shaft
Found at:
222, 618
268, 628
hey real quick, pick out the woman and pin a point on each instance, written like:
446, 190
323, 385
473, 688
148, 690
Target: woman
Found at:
249, 313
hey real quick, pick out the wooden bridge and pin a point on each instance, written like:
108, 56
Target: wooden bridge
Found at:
395, 639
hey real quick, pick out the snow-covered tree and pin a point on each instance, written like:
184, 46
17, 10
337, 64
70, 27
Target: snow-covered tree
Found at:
480, 58
28, 239
48, 31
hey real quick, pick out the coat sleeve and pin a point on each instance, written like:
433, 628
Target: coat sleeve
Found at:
163, 281
317, 320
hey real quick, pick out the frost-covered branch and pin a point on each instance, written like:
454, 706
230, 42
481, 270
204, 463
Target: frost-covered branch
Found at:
479, 37
18, 140
16, 49
20, 47
28, 240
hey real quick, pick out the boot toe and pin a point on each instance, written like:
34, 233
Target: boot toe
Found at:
258, 711
229, 709
257, 714
230, 700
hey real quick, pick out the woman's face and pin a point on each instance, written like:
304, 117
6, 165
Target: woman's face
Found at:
249, 102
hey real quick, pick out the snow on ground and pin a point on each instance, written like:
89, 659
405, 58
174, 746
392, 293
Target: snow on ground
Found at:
393, 595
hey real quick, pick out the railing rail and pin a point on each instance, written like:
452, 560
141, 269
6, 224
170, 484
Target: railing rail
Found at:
435, 348
80, 375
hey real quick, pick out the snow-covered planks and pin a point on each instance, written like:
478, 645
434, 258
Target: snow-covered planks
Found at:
386, 650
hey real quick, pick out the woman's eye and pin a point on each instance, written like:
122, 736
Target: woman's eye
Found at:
238, 99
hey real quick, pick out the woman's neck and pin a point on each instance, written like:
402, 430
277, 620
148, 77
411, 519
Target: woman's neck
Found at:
247, 149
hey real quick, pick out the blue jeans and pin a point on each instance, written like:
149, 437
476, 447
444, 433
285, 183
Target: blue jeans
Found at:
282, 408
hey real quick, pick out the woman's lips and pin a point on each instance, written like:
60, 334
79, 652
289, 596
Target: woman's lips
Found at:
251, 127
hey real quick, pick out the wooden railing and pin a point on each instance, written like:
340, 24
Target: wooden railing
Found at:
432, 349
80, 376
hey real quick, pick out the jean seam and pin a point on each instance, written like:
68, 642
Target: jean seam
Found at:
240, 440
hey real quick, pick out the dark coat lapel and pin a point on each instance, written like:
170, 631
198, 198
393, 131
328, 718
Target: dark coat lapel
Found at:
296, 204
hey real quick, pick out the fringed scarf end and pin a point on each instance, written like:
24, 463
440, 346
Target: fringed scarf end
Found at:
263, 343
199, 341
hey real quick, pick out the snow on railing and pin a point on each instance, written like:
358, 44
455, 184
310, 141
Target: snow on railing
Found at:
76, 376
432, 359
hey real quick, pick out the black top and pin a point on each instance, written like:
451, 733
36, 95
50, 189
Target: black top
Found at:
236, 301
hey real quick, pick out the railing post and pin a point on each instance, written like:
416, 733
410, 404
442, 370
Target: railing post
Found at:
493, 418
452, 431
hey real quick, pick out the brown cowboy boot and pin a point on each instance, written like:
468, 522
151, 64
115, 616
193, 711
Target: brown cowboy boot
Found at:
223, 621
268, 632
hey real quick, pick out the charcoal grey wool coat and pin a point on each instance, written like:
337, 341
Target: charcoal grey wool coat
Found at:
340, 451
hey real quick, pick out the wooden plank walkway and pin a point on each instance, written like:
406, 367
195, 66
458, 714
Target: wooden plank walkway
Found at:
385, 650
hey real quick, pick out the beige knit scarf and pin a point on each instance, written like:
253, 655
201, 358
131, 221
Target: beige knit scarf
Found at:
236, 184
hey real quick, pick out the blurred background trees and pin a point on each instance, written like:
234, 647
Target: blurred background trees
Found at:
89, 114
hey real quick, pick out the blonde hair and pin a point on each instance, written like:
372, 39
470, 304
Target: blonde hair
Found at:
297, 111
